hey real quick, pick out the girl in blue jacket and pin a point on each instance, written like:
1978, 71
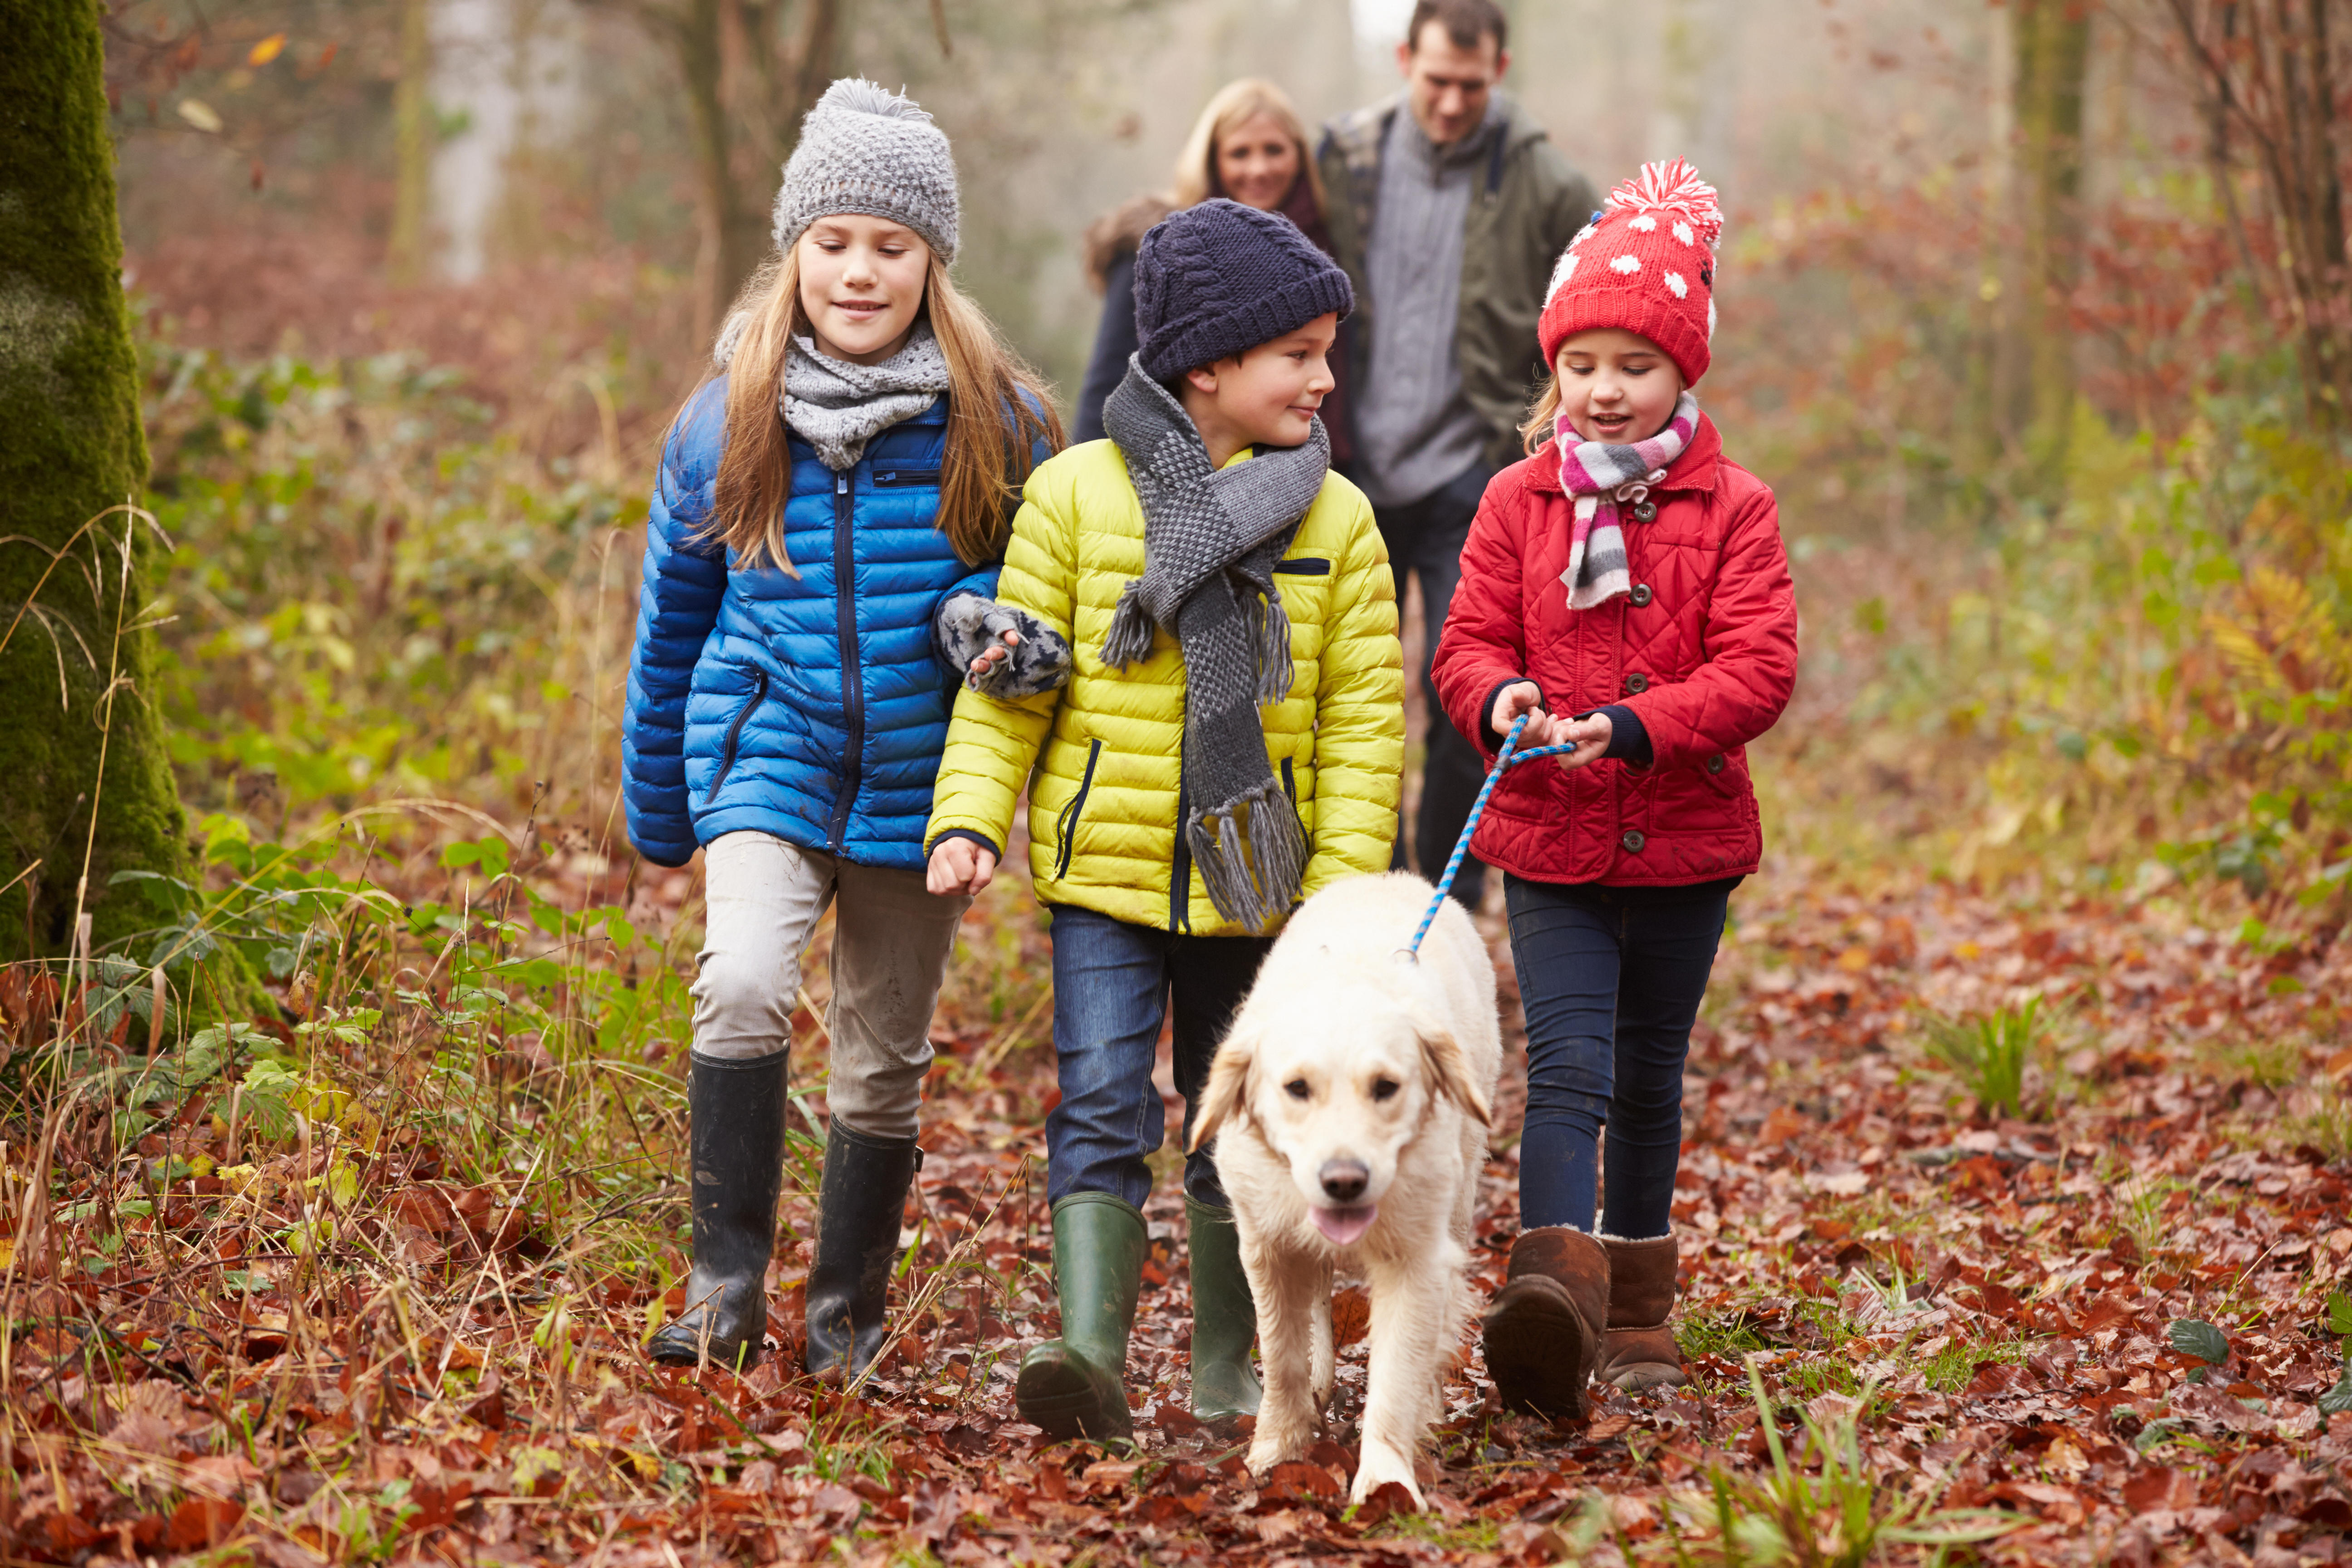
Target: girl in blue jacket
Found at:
822, 546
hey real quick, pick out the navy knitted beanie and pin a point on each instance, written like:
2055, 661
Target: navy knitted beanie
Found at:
1214, 280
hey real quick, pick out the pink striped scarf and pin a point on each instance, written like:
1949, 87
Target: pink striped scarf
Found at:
1603, 478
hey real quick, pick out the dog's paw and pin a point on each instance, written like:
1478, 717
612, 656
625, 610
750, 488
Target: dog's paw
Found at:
1271, 1448
1380, 1465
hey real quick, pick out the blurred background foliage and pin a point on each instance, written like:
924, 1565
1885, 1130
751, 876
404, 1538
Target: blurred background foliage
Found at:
2030, 314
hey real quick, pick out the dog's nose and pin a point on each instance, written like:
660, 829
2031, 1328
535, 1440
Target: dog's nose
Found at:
1344, 1180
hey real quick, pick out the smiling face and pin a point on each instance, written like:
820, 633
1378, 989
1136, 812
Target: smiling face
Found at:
1616, 386
1448, 87
1257, 162
861, 285
1268, 396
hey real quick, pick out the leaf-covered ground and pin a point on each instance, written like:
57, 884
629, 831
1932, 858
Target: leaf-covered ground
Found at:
373, 1330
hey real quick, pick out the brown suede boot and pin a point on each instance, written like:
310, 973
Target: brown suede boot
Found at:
1640, 1351
1543, 1329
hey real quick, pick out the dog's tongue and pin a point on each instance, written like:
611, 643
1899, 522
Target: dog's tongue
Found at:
1344, 1227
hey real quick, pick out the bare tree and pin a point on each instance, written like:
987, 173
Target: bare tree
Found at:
751, 71
2021, 393
2053, 42
412, 116
2267, 72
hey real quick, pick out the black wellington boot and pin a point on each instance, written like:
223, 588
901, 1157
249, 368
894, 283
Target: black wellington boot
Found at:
859, 1203
736, 1115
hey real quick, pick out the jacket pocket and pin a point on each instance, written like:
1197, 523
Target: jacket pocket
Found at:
890, 475
1304, 566
1725, 774
735, 734
1065, 827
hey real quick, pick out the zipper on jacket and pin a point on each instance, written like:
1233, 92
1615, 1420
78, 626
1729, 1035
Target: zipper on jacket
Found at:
1289, 785
853, 676
1180, 864
735, 734
906, 474
1065, 828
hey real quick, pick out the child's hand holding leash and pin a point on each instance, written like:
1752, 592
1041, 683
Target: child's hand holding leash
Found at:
1524, 697
1589, 735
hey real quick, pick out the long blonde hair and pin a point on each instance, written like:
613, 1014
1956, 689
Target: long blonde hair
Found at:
1543, 415
1236, 103
997, 409
1118, 232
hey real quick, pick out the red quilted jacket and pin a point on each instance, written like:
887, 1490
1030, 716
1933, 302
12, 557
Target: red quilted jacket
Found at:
1704, 650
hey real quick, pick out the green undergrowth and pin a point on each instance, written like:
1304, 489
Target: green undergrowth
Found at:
378, 589
2147, 687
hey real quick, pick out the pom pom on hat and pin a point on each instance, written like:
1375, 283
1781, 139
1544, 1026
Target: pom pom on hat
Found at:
1646, 264
865, 149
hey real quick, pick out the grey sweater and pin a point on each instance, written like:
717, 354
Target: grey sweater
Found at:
1416, 430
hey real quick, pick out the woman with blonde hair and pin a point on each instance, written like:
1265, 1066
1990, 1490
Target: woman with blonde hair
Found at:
1250, 145
827, 524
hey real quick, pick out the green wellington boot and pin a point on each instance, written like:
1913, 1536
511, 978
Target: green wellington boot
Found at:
1071, 1387
1224, 1318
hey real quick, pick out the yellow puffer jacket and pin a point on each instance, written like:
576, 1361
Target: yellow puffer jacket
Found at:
1102, 803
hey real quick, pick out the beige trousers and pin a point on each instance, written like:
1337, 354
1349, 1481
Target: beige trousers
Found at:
891, 944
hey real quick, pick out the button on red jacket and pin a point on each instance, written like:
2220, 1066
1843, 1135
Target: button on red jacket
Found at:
1707, 661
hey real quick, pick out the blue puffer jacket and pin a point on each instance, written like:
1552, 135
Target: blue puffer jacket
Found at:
809, 707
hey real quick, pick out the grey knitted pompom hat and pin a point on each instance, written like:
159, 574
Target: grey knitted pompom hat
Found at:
865, 149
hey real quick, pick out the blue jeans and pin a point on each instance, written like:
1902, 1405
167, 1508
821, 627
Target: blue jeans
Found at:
1611, 979
1112, 986
1425, 538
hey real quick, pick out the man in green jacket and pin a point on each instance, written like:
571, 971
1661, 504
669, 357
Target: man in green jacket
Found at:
1448, 207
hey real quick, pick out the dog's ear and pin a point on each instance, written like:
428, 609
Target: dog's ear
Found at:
1227, 1094
1442, 1059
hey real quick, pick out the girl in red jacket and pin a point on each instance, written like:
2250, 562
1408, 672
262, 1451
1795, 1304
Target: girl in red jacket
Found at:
1624, 587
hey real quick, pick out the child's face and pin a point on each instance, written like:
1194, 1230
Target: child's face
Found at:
1267, 397
861, 284
1616, 386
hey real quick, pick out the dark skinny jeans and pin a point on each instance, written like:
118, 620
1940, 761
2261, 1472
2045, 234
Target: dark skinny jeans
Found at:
1425, 538
1611, 979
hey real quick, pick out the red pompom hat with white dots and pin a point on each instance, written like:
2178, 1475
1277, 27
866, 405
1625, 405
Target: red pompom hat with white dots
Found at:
1645, 263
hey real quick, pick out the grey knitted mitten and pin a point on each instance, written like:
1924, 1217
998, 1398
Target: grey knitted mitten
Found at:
967, 624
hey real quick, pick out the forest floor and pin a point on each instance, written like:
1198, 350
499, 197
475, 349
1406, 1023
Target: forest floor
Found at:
351, 1341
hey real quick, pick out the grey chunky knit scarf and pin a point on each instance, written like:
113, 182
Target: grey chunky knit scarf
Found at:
837, 406
1211, 539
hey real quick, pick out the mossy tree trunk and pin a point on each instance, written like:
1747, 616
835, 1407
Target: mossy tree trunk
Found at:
86, 789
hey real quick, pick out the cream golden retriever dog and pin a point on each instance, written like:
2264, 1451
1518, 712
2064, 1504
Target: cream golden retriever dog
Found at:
1349, 1104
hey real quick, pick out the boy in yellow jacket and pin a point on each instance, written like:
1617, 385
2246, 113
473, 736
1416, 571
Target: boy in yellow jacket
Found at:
1231, 739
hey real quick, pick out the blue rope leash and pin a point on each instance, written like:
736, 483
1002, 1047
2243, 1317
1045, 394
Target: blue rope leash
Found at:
1509, 757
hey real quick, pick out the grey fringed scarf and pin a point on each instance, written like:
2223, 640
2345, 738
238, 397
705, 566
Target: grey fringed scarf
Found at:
837, 407
1211, 539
